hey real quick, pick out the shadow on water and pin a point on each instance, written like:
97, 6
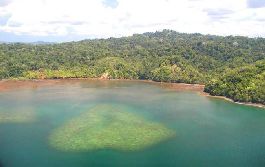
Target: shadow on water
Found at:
1, 164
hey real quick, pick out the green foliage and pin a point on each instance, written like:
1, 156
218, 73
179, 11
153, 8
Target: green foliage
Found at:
161, 56
108, 126
177, 73
61, 73
117, 68
244, 84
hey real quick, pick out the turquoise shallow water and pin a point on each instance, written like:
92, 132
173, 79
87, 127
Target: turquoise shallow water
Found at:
209, 132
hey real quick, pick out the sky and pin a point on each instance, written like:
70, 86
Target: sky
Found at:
72, 20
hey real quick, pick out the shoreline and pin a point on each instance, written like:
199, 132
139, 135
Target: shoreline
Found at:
232, 101
6, 85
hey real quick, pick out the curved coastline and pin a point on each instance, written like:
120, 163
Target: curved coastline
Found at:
231, 100
6, 85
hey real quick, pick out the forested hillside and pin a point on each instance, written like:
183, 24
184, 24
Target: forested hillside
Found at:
246, 84
229, 66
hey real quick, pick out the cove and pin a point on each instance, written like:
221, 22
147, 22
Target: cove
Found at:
206, 131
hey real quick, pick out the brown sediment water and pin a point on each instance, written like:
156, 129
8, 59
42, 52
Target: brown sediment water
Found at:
13, 85
6, 85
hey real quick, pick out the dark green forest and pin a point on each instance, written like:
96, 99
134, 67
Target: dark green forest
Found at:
231, 66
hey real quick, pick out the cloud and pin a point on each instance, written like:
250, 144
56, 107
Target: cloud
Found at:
111, 3
218, 14
106, 18
4, 19
5, 2
256, 3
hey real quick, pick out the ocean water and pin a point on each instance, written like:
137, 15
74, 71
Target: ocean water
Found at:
209, 131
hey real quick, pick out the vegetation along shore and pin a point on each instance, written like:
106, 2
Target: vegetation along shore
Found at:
231, 66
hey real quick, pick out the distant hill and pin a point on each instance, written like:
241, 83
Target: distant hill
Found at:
42, 43
33, 43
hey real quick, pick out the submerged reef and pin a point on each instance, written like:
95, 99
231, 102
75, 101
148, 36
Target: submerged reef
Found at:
108, 127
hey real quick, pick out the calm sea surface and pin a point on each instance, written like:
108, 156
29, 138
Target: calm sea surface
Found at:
209, 132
